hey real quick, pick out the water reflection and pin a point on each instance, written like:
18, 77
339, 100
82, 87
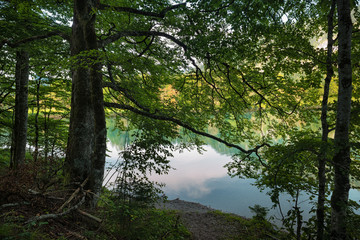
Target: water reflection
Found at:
192, 173
202, 178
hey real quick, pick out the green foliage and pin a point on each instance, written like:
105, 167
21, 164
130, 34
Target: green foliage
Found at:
148, 153
5, 158
252, 70
353, 220
129, 204
259, 211
12, 231
136, 220
250, 229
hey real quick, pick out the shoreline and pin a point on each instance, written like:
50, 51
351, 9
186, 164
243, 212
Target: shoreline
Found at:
184, 206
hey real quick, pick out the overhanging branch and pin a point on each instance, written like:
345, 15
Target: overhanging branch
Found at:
33, 38
184, 125
121, 34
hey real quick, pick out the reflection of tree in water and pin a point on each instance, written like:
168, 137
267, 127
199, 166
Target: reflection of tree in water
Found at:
221, 148
120, 139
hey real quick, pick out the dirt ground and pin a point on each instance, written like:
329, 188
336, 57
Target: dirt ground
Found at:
203, 223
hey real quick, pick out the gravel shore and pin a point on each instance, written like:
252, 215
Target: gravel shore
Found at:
183, 206
201, 221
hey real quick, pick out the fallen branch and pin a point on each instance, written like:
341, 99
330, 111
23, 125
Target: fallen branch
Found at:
13, 204
52, 216
88, 215
73, 195
31, 191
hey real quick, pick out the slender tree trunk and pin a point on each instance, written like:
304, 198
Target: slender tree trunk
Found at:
339, 199
46, 132
87, 136
18, 147
322, 158
36, 151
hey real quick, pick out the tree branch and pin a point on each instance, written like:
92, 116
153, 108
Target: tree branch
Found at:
121, 34
141, 12
13, 204
74, 194
182, 124
219, 8
33, 38
124, 91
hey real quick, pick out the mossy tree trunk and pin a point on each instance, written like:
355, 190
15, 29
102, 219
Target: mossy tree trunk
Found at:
87, 134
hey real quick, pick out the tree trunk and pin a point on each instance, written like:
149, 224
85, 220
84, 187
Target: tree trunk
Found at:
99, 151
46, 131
87, 135
322, 158
18, 146
98, 158
339, 199
81, 130
36, 150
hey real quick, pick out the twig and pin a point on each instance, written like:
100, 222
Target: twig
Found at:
73, 195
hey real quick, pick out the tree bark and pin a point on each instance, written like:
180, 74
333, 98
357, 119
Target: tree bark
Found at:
322, 158
87, 135
99, 152
81, 130
341, 160
18, 146
97, 98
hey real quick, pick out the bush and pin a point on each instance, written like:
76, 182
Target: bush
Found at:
139, 221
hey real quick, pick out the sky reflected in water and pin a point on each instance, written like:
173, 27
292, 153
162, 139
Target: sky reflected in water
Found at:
202, 178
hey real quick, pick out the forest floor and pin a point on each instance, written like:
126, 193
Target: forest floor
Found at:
59, 214
202, 222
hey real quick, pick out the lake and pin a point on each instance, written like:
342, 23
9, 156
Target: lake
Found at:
202, 178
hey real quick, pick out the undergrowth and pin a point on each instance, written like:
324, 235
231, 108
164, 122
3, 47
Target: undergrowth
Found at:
250, 229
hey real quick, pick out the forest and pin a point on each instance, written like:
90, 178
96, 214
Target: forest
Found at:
276, 81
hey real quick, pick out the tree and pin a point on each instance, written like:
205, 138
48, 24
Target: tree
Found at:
341, 160
86, 146
87, 133
323, 152
249, 68
23, 27
18, 146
